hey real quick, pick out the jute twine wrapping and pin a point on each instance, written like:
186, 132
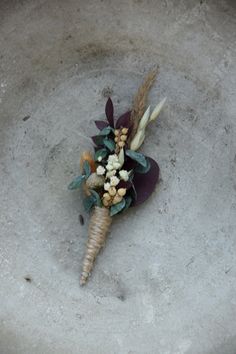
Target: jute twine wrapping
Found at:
98, 229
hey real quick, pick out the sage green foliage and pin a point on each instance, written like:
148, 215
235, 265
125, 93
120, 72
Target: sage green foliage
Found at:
106, 131
115, 209
97, 199
137, 156
110, 144
92, 200
87, 169
128, 201
100, 153
142, 169
76, 183
88, 203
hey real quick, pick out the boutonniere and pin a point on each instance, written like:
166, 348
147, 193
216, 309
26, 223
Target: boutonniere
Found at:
116, 176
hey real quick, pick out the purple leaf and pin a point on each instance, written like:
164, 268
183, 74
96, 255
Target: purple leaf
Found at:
97, 139
145, 184
100, 124
124, 120
109, 112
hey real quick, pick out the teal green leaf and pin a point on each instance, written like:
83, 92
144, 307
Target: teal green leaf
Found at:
128, 201
140, 158
96, 198
101, 152
115, 209
87, 168
88, 203
110, 144
76, 183
142, 169
106, 131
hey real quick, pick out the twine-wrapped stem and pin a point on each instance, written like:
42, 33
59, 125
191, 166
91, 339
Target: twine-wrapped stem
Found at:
98, 228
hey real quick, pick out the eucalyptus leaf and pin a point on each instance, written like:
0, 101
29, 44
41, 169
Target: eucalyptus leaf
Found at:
100, 153
137, 156
88, 203
142, 169
87, 168
76, 183
96, 198
106, 131
128, 201
110, 144
117, 208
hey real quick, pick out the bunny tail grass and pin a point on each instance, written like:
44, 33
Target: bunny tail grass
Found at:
98, 229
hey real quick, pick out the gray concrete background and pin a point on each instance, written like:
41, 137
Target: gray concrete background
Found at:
165, 283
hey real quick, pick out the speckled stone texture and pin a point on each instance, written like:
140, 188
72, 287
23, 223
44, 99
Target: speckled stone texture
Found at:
165, 282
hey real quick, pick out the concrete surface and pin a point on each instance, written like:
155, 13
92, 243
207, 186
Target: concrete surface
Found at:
165, 283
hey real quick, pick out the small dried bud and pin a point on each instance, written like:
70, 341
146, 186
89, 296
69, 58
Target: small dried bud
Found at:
116, 139
124, 130
123, 137
117, 199
107, 196
106, 202
117, 132
112, 191
121, 144
121, 192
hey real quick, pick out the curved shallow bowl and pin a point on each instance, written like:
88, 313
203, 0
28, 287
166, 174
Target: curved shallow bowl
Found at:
165, 283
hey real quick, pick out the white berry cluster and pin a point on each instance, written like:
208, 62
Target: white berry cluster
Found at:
113, 175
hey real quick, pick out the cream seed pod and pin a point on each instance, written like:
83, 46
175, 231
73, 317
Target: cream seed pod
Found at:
123, 137
106, 202
121, 144
117, 199
112, 191
107, 196
124, 130
121, 192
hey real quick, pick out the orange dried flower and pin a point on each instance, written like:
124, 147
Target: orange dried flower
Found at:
87, 156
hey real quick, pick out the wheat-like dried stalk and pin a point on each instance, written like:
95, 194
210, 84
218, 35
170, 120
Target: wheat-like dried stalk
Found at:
98, 229
140, 100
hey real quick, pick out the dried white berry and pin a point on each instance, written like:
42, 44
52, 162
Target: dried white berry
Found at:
114, 181
109, 167
124, 175
112, 158
110, 173
100, 170
116, 165
106, 186
99, 158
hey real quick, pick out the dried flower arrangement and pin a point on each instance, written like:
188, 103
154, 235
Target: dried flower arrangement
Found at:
116, 177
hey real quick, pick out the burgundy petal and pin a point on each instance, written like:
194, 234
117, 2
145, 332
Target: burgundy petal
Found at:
100, 124
145, 184
124, 184
124, 120
129, 163
109, 112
